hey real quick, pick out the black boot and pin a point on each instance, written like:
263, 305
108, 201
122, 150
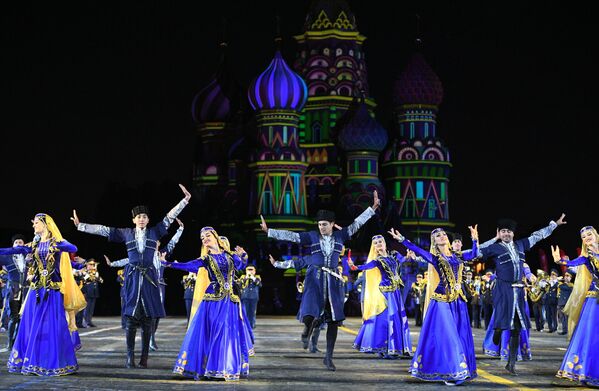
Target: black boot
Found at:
153, 345
497, 336
331, 339
130, 332
146, 335
313, 348
513, 352
11, 334
308, 321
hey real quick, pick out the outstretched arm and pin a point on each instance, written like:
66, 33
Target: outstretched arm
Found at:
557, 258
15, 250
173, 213
175, 239
541, 234
120, 263
364, 216
191, 266
65, 246
427, 256
472, 253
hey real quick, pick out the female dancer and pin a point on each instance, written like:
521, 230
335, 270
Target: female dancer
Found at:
445, 349
43, 345
580, 360
385, 329
216, 344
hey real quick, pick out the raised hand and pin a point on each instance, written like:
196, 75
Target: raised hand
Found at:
263, 226
239, 250
411, 254
473, 231
163, 257
557, 257
337, 226
107, 260
185, 192
179, 222
271, 259
376, 201
396, 235
75, 218
561, 220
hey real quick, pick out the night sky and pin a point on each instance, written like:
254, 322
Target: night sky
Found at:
96, 112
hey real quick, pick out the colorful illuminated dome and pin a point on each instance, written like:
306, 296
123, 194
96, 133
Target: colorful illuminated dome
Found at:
278, 88
418, 84
362, 132
219, 99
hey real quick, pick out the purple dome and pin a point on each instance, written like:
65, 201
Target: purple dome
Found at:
220, 99
278, 87
418, 84
362, 132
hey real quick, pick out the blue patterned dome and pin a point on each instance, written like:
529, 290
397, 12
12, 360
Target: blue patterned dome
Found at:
362, 132
278, 87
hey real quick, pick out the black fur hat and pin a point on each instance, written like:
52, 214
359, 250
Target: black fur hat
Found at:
139, 209
325, 215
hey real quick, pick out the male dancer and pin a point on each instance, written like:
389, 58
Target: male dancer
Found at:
15, 266
142, 292
324, 292
170, 247
508, 293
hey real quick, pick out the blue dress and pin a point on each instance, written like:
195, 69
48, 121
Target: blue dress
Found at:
217, 343
581, 361
445, 349
387, 333
43, 345
490, 349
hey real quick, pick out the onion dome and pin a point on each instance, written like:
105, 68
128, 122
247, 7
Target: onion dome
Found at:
362, 132
217, 101
418, 84
278, 88
330, 15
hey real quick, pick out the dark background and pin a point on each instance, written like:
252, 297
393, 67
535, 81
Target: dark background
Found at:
96, 108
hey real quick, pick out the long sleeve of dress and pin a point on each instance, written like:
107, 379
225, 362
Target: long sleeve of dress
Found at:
582, 260
191, 266
238, 261
66, 246
468, 255
369, 265
541, 234
427, 256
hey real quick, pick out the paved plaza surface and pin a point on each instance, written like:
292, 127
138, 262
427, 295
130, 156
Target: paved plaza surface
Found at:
280, 363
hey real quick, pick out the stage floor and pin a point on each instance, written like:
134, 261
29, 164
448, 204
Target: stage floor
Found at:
280, 363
